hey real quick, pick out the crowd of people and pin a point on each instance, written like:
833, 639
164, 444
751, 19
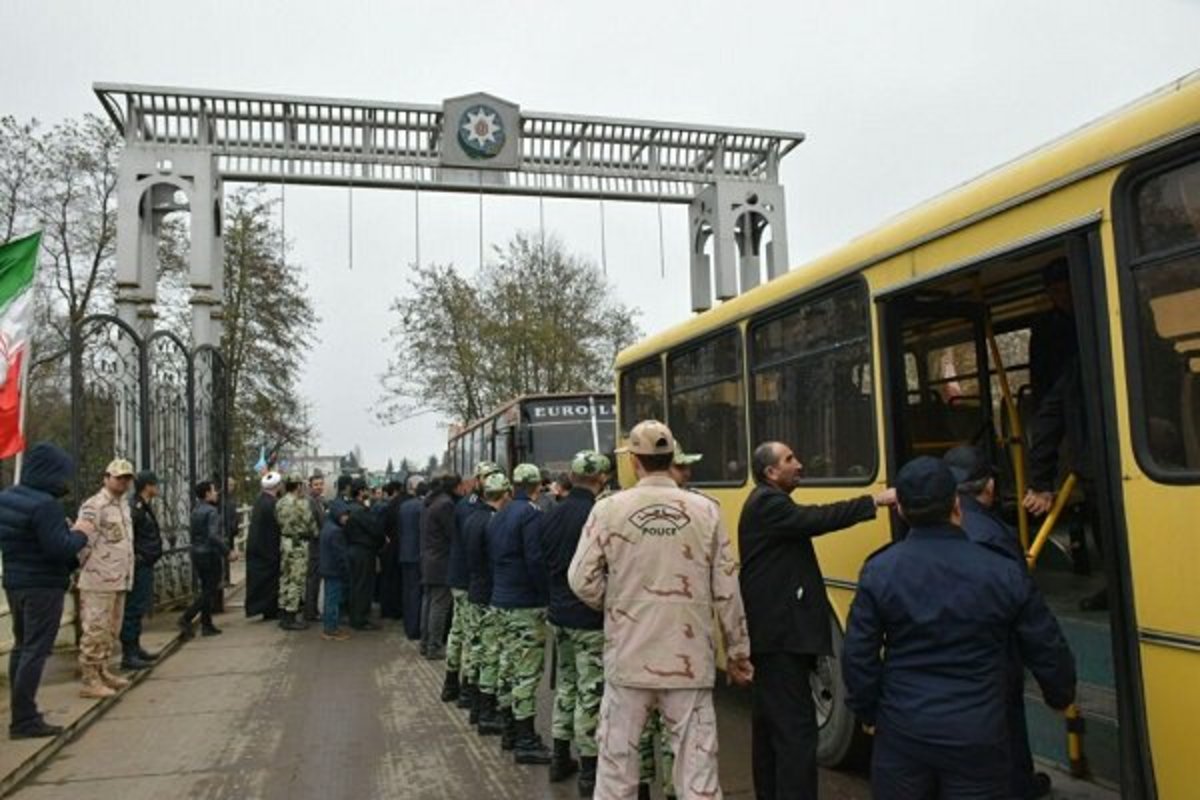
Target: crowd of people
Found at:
633, 587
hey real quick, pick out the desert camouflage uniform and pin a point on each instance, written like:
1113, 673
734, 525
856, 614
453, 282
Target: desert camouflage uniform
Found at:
297, 527
579, 687
658, 561
106, 576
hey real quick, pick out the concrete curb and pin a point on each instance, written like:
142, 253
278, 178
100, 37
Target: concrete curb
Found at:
13, 780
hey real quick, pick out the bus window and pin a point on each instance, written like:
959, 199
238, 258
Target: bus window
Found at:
641, 394
812, 387
707, 407
501, 451
1166, 280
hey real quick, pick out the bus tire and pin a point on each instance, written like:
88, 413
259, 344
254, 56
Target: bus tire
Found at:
841, 741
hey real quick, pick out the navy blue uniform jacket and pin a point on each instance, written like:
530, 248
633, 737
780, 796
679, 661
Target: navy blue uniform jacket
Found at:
40, 551
925, 654
409, 549
514, 542
982, 525
479, 568
456, 572
561, 529
332, 562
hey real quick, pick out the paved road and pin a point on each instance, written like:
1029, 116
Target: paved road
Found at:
265, 714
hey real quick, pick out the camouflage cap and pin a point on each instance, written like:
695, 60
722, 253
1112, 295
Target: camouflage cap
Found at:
119, 468
485, 468
589, 462
294, 477
650, 437
683, 459
526, 473
496, 483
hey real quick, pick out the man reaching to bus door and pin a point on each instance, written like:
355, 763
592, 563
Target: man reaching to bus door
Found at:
925, 660
789, 616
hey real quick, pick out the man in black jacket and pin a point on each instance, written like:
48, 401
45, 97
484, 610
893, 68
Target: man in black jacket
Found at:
788, 615
437, 531
926, 656
408, 556
364, 540
208, 550
40, 553
147, 550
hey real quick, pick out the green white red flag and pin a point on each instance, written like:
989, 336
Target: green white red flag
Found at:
18, 265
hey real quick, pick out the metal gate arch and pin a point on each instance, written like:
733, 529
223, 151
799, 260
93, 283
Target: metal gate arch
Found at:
159, 404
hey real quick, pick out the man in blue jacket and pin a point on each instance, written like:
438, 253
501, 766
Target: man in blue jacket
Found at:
334, 568
925, 659
977, 498
40, 552
520, 595
485, 647
578, 628
464, 622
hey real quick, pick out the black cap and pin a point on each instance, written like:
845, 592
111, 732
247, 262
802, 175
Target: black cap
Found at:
925, 481
968, 463
143, 479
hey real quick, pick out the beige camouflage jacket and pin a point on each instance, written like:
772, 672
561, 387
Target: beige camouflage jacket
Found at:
108, 558
656, 559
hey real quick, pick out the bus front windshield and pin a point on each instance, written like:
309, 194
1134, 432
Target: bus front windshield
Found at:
554, 444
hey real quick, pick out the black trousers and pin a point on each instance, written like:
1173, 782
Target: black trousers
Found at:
783, 727
36, 615
436, 604
312, 582
410, 599
902, 769
209, 571
137, 603
362, 585
391, 603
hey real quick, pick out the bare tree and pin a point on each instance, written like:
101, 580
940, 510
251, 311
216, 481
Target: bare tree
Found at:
20, 151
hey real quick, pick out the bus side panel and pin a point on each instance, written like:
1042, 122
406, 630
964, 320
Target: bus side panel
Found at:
1173, 709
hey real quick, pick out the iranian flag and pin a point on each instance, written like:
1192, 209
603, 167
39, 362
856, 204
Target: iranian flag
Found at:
18, 264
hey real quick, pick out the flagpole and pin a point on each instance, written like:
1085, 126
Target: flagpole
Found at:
22, 387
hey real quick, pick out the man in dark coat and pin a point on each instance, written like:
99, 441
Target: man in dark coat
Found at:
263, 552
40, 552
977, 499
437, 531
147, 550
408, 556
364, 540
208, 551
788, 615
926, 654
390, 602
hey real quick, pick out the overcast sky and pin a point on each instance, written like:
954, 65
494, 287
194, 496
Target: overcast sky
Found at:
900, 101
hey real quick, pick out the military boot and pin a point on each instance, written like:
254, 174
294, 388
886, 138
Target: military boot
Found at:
186, 631
466, 697
144, 654
130, 660
93, 686
587, 776
450, 687
490, 723
562, 766
110, 678
289, 621
528, 747
508, 735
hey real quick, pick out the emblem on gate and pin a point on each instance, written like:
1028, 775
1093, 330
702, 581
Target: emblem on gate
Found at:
481, 132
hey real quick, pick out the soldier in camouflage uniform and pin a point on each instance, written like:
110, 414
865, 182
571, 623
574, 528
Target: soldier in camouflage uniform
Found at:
519, 595
656, 559
655, 733
464, 624
297, 528
106, 576
578, 629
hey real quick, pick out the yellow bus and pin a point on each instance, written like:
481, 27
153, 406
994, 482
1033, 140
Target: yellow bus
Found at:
916, 337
